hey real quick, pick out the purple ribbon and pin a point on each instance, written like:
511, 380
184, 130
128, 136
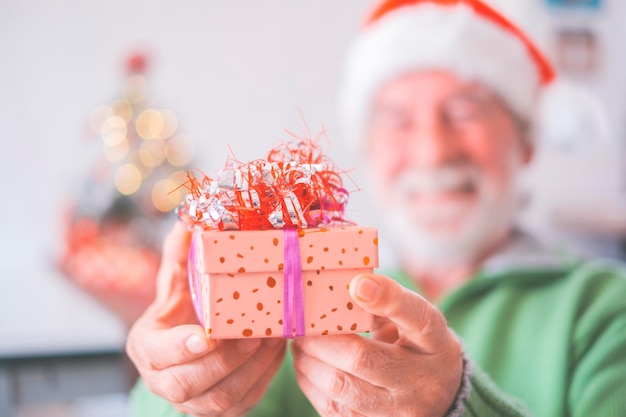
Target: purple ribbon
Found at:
192, 271
293, 306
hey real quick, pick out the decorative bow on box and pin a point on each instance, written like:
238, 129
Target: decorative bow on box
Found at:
296, 186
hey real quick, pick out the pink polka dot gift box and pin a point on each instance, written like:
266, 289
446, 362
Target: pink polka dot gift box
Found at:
240, 283
272, 254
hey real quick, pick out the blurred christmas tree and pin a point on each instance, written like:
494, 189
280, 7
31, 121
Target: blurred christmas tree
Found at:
117, 220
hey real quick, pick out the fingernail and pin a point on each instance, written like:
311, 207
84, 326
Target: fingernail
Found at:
248, 345
196, 344
366, 289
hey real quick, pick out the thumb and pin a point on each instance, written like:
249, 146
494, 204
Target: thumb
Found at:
420, 324
160, 348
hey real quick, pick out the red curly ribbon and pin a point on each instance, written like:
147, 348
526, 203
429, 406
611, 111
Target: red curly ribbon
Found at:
295, 186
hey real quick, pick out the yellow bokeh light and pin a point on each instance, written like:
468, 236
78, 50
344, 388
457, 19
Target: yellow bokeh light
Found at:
98, 116
142, 123
123, 108
148, 123
179, 177
152, 153
165, 195
128, 179
117, 152
135, 159
179, 150
170, 123
146, 158
113, 131
146, 172
156, 124
135, 88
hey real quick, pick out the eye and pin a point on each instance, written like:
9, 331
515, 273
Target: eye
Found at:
390, 119
463, 109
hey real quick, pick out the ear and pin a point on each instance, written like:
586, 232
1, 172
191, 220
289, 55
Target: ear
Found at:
528, 150
526, 141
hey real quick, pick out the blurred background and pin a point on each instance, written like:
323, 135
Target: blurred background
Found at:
104, 104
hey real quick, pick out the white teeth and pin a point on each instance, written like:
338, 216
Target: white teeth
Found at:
451, 178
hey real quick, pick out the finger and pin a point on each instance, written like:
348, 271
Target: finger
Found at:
180, 383
420, 324
154, 349
257, 391
384, 330
172, 274
376, 362
324, 405
343, 388
179, 234
243, 388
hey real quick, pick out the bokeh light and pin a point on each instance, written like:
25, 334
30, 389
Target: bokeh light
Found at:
113, 131
135, 88
155, 125
117, 152
98, 116
152, 153
123, 109
149, 124
170, 123
144, 146
166, 195
128, 179
135, 159
179, 150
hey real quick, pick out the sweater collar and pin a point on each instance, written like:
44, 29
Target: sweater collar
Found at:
523, 251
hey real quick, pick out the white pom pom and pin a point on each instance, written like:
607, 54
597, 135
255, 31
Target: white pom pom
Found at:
571, 116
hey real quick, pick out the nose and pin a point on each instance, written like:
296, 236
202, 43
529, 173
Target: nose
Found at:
431, 144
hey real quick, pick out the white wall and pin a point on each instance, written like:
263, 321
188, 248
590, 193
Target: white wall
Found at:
589, 178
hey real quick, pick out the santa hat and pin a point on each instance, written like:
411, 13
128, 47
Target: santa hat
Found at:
474, 41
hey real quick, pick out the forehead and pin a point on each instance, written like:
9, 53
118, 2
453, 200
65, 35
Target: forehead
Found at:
425, 86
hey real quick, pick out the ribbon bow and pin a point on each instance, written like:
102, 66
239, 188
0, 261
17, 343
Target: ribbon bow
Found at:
296, 186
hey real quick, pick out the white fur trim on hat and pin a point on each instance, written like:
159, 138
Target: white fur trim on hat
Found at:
571, 116
430, 36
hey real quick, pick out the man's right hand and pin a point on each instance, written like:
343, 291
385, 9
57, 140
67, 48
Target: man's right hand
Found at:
176, 360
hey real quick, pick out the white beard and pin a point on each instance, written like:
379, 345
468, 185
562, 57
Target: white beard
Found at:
476, 223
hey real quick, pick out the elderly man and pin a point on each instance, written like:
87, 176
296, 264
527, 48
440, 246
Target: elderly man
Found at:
486, 323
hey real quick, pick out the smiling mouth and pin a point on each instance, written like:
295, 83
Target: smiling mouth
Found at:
448, 188
461, 192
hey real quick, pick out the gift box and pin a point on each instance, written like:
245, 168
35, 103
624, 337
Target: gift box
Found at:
272, 253
280, 283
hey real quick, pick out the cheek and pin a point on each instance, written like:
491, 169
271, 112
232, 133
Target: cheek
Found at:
497, 156
380, 180
384, 163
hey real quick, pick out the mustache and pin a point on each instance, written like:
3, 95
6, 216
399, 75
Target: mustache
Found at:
457, 177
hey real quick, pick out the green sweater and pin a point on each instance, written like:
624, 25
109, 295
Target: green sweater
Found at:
543, 341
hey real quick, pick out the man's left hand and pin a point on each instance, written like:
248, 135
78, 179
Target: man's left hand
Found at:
412, 365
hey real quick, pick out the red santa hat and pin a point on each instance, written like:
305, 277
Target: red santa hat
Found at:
469, 38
